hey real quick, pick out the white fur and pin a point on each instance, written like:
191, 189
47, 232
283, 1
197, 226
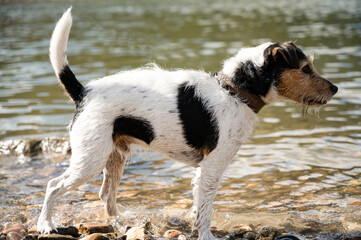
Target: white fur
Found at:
59, 41
254, 54
149, 93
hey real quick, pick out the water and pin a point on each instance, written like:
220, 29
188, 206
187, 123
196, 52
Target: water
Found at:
301, 173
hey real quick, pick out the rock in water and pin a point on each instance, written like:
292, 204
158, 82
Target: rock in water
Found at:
20, 229
55, 237
14, 236
170, 234
15, 232
95, 236
89, 228
270, 232
71, 230
136, 233
182, 237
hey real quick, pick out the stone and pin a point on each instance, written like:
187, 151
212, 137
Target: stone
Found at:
218, 233
18, 228
32, 148
124, 237
250, 235
89, 228
270, 232
54, 236
230, 237
182, 237
31, 237
172, 233
244, 228
95, 236
136, 233
70, 230
289, 237
14, 236
111, 236
33, 230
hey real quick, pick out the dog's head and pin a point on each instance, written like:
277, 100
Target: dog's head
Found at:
276, 71
295, 77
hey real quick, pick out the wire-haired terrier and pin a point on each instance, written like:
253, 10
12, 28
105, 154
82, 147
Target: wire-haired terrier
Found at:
190, 116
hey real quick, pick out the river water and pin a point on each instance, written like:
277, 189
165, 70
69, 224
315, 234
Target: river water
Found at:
298, 172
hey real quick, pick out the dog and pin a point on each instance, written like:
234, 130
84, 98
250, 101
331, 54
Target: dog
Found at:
194, 117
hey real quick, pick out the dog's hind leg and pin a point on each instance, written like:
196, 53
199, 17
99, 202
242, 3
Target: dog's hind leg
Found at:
112, 174
70, 179
89, 157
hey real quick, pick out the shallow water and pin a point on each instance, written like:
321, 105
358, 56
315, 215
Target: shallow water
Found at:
302, 173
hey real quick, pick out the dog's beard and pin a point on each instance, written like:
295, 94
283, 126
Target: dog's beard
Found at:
311, 110
313, 106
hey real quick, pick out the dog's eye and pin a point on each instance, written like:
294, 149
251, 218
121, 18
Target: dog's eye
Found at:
306, 69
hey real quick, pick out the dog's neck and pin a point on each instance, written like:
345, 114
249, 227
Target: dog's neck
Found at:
252, 100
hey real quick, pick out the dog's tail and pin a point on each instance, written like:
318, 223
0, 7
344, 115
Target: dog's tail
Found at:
58, 59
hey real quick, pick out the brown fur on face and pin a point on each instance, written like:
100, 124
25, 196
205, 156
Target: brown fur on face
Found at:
304, 85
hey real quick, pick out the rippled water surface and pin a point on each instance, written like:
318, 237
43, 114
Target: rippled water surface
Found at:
302, 173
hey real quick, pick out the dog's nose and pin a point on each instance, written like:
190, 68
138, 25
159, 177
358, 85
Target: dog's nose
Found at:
334, 89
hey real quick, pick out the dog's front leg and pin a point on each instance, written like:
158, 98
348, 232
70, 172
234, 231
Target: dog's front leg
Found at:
195, 184
210, 178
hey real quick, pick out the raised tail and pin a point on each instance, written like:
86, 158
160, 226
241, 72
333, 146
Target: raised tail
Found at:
58, 59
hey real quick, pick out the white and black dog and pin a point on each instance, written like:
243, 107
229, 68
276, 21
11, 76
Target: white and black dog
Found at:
190, 116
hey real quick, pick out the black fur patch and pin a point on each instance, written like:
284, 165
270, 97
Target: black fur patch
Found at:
135, 127
258, 80
288, 55
200, 128
72, 86
79, 109
252, 78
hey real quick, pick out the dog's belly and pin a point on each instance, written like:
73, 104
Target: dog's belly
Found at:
185, 155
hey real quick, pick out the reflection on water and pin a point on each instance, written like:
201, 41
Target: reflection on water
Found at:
295, 169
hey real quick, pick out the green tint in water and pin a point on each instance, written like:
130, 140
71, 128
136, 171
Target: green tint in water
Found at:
300, 168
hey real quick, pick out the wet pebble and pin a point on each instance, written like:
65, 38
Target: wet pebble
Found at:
270, 232
33, 230
95, 236
18, 228
55, 236
182, 237
15, 232
136, 233
288, 237
172, 233
240, 230
32, 147
218, 233
70, 230
31, 237
89, 228
250, 236
14, 236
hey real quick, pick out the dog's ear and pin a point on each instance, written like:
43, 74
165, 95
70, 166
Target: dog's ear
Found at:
286, 55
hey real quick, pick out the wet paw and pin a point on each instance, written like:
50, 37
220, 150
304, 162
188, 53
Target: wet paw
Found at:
46, 227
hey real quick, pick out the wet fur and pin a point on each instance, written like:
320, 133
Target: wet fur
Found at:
189, 116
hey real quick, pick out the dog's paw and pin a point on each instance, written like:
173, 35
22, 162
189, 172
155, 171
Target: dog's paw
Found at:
46, 227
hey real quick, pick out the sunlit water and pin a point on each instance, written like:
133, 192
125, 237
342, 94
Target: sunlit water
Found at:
301, 173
